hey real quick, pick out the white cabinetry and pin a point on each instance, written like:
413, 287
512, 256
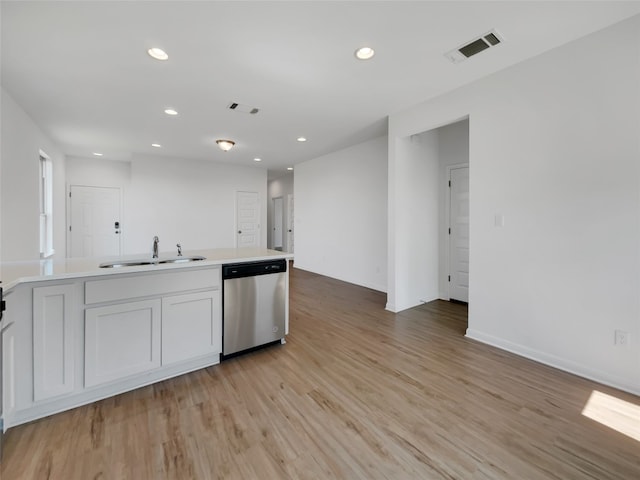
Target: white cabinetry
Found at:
191, 326
53, 341
75, 341
121, 340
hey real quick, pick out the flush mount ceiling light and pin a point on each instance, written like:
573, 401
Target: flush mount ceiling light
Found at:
365, 53
157, 145
97, 154
301, 139
170, 111
289, 168
157, 53
257, 159
225, 145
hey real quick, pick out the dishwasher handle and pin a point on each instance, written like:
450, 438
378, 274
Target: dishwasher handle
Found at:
252, 269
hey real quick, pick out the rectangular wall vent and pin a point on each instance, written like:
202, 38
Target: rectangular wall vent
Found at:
480, 44
238, 107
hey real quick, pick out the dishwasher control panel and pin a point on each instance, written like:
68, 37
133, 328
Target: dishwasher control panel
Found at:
251, 269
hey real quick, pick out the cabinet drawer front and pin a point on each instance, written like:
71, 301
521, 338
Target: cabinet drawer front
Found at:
151, 284
121, 340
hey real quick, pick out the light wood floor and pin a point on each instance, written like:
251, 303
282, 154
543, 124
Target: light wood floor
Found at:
356, 393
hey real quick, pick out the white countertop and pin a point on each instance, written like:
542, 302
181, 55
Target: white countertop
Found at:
14, 273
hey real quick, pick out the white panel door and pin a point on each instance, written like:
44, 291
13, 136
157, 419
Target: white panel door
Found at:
95, 221
191, 326
121, 340
53, 344
459, 236
290, 223
278, 217
248, 219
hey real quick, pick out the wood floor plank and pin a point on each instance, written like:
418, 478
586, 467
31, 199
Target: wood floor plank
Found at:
356, 393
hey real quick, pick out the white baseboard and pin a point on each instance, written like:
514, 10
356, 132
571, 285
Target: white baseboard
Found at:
554, 361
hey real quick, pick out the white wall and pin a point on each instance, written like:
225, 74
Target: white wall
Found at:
554, 148
340, 214
21, 142
415, 255
190, 202
182, 201
279, 187
98, 172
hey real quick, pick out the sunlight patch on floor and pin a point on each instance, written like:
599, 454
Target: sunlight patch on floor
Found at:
615, 413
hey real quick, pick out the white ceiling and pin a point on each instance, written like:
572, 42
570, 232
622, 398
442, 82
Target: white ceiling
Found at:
80, 69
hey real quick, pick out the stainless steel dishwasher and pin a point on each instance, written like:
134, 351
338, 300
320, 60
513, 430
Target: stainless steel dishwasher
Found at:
254, 304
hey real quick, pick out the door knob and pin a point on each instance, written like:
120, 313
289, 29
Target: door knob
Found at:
239, 231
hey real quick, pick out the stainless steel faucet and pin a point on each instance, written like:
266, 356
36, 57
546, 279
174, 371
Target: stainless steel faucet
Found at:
179, 249
156, 240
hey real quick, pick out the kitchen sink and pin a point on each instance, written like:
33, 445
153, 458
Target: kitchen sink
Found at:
195, 258
141, 262
125, 263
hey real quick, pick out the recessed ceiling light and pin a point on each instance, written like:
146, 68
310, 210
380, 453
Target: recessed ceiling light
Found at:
157, 53
257, 159
157, 145
289, 168
301, 139
365, 53
170, 111
97, 154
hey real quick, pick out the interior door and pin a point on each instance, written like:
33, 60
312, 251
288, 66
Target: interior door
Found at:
278, 217
248, 219
459, 234
290, 223
94, 226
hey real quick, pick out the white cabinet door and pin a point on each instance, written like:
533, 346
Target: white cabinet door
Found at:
53, 341
121, 340
191, 326
8, 364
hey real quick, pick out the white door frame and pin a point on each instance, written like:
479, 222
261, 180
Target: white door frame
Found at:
68, 213
447, 244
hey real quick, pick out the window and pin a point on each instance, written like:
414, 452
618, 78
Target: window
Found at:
46, 206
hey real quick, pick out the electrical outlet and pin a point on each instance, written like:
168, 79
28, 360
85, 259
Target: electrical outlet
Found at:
622, 338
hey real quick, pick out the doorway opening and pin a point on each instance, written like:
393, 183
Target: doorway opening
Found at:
280, 217
444, 179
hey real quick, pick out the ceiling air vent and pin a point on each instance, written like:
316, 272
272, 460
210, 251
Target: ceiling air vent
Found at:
484, 42
238, 107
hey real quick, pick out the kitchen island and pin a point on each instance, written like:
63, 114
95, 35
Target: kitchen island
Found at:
75, 333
